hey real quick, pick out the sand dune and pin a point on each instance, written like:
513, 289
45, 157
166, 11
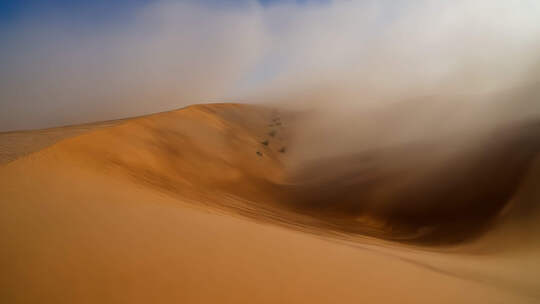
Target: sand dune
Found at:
200, 205
19, 143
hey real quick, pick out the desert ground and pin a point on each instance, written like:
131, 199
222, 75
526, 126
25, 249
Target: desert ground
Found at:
200, 205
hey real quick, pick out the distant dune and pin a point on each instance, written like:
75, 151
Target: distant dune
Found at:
207, 205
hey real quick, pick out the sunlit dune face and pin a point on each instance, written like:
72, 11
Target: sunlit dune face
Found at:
242, 158
110, 203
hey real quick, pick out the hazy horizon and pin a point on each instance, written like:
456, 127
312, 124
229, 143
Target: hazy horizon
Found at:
68, 64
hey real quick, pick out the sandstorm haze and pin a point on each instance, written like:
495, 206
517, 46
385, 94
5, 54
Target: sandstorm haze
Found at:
344, 56
307, 151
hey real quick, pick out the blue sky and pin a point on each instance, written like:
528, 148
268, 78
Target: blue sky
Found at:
97, 10
13, 10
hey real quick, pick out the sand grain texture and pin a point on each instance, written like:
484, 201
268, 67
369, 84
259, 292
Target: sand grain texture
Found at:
180, 207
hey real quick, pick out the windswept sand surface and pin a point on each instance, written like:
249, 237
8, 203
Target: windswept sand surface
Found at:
19, 143
198, 206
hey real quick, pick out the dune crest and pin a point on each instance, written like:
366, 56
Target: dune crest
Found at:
235, 157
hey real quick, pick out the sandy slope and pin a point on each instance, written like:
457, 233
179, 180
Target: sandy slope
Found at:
150, 210
16, 144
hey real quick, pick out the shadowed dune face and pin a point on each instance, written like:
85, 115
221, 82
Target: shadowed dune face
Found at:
236, 157
416, 192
